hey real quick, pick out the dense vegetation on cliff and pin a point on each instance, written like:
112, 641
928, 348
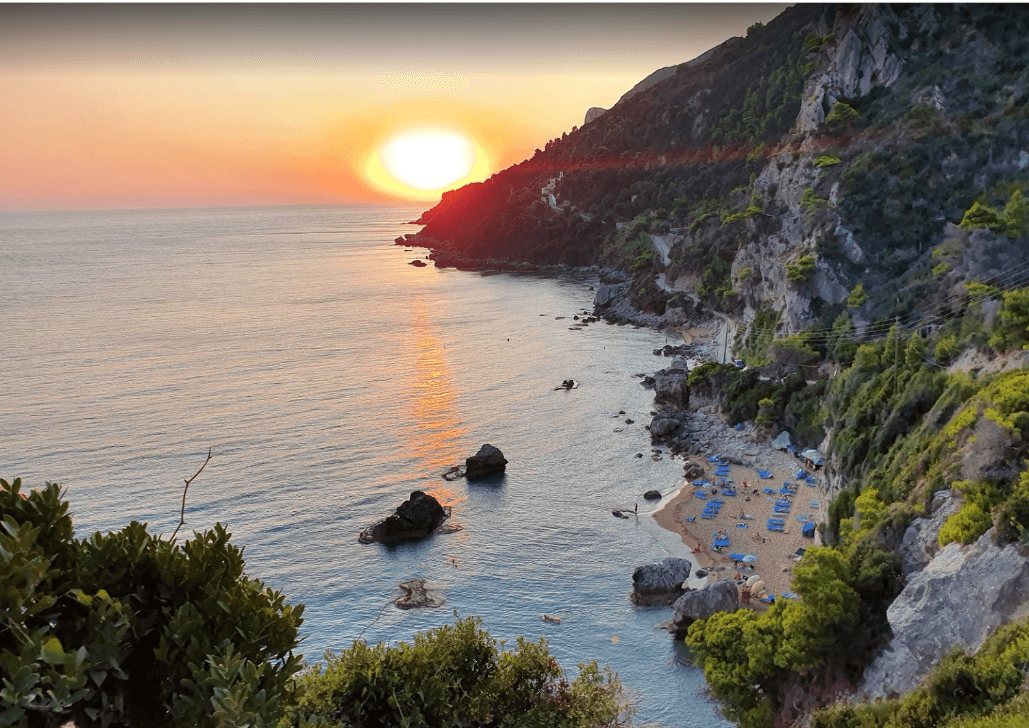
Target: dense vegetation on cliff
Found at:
900, 429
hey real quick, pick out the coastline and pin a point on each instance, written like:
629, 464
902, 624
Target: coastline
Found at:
743, 518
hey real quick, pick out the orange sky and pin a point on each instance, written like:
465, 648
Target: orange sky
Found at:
190, 106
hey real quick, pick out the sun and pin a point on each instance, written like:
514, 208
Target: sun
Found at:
427, 160
422, 162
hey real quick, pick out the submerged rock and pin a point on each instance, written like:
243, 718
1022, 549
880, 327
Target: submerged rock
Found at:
652, 495
417, 596
661, 583
416, 517
487, 461
719, 596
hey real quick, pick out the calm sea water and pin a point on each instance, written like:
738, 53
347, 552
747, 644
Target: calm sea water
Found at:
330, 379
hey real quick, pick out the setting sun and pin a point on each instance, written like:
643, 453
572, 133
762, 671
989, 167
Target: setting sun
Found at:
422, 162
427, 160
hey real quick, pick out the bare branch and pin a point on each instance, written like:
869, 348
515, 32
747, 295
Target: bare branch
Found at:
182, 515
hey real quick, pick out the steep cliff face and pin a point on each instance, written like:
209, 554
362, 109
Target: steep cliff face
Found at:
828, 149
959, 599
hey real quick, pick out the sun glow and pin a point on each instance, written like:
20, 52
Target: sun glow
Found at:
422, 162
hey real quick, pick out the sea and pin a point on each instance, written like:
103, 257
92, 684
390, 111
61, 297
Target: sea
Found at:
329, 379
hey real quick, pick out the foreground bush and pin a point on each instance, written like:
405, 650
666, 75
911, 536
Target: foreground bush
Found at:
127, 629
456, 675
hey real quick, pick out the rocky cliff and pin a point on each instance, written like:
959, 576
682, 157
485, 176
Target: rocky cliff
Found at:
958, 600
845, 189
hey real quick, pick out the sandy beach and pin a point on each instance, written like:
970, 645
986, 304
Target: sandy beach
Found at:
775, 551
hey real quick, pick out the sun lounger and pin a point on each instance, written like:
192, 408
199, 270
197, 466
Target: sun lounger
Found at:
788, 595
773, 527
781, 510
800, 474
691, 519
736, 557
701, 482
700, 495
741, 525
776, 521
713, 459
764, 473
770, 491
767, 598
813, 503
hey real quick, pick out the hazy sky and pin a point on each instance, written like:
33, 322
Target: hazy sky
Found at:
199, 105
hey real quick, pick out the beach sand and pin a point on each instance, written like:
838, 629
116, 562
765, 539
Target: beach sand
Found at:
776, 552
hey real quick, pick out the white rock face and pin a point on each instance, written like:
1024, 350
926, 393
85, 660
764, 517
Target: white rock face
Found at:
860, 61
958, 600
921, 539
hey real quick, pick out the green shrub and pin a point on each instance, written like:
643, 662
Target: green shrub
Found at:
841, 114
1016, 214
857, 296
945, 349
983, 216
966, 525
801, 269
812, 202
454, 676
1011, 328
826, 161
129, 629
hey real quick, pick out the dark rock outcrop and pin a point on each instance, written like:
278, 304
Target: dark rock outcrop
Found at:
670, 387
487, 461
652, 495
721, 596
417, 263
661, 583
415, 518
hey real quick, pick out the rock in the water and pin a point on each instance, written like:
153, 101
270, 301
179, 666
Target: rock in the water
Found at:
661, 583
416, 596
958, 600
417, 263
652, 495
487, 461
416, 517
720, 596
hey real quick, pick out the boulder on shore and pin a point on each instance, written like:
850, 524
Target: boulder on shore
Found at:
720, 596
652, 495
659, 584
487, 461
670, 387
416, 517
